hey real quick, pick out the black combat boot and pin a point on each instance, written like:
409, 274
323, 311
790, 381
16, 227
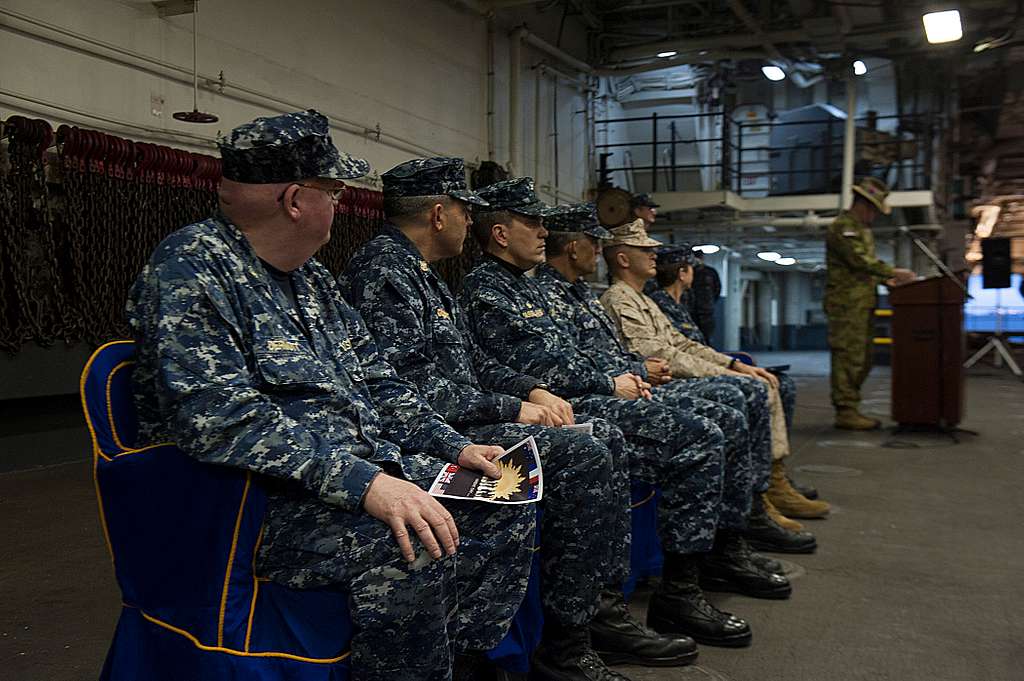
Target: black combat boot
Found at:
766, 563
620, 638
473, 667
564, 654
729, 567
764, 534
679, 607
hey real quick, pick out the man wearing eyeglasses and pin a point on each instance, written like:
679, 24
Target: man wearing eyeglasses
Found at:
249, 357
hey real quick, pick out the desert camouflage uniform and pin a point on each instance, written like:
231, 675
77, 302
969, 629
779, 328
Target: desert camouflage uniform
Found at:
648, 331
679, 315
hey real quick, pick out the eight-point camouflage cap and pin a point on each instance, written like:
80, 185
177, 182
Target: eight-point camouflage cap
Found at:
576, 217
286, 148
633, 234
681, 254
430, 177
643, 200
517, 196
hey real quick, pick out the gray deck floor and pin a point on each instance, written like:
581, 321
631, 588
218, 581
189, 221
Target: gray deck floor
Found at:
917, 578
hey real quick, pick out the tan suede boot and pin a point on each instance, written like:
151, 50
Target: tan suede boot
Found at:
788, 501
848, 418
778, 518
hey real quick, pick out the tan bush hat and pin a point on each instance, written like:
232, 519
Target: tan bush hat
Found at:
875, 191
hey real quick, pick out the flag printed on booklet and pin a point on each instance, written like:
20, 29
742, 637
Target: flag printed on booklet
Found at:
521, 481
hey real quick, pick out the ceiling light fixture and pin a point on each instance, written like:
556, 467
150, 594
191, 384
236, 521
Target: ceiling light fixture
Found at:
943, 27
773, 73
770, 256
859, 68
667, 54
707, 249
786, 261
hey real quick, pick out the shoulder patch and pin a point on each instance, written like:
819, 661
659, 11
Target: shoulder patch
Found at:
443, 313
533, 314
346, 345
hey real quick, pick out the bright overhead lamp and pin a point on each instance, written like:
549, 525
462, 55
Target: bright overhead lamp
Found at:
786, 261
707, 249
773, 73
943, 27
667, 54
859, 68
770, 256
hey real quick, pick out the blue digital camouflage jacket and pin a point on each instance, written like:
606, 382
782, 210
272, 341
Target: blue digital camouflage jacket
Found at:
421, 331
575, 307
678, 314
228, 370
508, 315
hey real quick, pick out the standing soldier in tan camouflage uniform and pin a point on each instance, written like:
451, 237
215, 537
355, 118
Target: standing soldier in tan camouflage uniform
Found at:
854, 272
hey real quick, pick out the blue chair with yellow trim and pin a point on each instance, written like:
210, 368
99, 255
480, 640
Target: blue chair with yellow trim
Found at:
183, 537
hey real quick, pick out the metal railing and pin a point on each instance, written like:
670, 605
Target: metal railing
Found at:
902, 156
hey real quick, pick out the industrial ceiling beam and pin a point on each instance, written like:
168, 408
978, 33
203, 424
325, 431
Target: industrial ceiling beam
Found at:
695, 45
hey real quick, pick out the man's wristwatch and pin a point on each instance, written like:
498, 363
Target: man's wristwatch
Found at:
541, 386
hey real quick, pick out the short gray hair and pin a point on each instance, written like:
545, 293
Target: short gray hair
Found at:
410, 206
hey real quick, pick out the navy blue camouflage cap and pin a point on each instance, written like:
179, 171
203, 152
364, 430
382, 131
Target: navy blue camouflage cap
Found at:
643, 200
677, 254
516, 196
577, 217
286, 148
430, 177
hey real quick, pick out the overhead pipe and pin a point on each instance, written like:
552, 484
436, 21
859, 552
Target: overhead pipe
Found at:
724, 42
536, 124
799, 79
515, 61
523, 34
849, 143
683, 59
491, 137
110, 52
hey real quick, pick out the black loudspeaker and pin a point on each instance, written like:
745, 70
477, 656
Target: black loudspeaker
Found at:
995, 263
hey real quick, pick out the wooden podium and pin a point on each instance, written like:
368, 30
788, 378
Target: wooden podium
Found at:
928, 352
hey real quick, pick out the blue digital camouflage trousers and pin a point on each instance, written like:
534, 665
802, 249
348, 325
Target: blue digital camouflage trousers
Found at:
585, 527
409, 618
738, 471
787, 391
750, 396
681, 452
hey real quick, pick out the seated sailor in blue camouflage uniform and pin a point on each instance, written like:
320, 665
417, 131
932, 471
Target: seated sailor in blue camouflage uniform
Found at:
631, 259
573, 247
249, 357
738, 408
679, 450
673, 279
421, 331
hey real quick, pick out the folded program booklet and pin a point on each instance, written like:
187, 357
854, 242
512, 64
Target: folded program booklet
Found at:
521, 481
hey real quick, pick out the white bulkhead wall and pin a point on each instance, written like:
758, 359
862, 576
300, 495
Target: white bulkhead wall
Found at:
415, 68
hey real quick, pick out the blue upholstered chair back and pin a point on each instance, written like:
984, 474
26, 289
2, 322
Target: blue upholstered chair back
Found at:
183, 536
